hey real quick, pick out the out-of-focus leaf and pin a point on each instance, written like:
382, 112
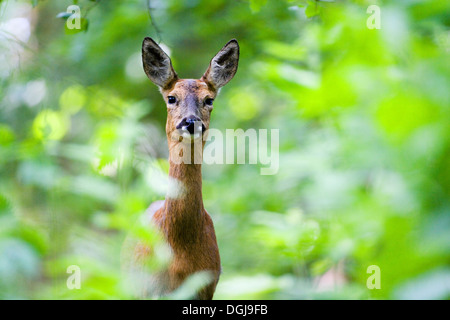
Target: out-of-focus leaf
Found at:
256, 5
312, 9
84, 25
50, 125
6, 134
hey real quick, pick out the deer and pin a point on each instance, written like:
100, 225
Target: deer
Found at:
181, 218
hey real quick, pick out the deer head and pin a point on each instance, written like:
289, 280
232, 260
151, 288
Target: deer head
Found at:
189, 101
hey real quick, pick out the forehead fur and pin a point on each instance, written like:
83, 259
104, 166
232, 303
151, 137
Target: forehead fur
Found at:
184, 86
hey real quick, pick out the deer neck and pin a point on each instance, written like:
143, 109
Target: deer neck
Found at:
184, 209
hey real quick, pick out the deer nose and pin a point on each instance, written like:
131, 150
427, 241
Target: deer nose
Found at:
192, 124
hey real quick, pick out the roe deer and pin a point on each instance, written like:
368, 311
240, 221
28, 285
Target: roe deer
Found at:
181, 217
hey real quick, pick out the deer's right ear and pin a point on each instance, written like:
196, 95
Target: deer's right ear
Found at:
157, 64
223, 66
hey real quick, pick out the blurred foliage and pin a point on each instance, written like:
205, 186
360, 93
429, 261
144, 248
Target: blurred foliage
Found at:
363, 115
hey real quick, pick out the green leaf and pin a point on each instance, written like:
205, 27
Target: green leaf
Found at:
84, 24
312, 9
256, 5
302, 4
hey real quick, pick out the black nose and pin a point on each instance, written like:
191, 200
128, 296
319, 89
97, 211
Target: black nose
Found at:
192, 124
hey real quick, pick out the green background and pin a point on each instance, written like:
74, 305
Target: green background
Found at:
363, 118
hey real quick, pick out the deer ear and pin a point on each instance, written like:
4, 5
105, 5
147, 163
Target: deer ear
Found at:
157, 64
223, 66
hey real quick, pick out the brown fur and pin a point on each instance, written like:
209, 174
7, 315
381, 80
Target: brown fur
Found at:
182, 219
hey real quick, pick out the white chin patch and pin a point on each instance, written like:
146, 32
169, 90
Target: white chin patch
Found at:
186, 135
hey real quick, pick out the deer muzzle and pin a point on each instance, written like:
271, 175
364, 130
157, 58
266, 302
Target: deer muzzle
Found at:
191, 127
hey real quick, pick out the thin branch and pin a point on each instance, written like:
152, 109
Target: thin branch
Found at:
152, 21
90, 8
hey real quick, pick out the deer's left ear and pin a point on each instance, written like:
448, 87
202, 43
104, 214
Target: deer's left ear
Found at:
223, 66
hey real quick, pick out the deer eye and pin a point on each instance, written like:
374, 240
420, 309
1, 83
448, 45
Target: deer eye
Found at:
209, 102
171, 99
